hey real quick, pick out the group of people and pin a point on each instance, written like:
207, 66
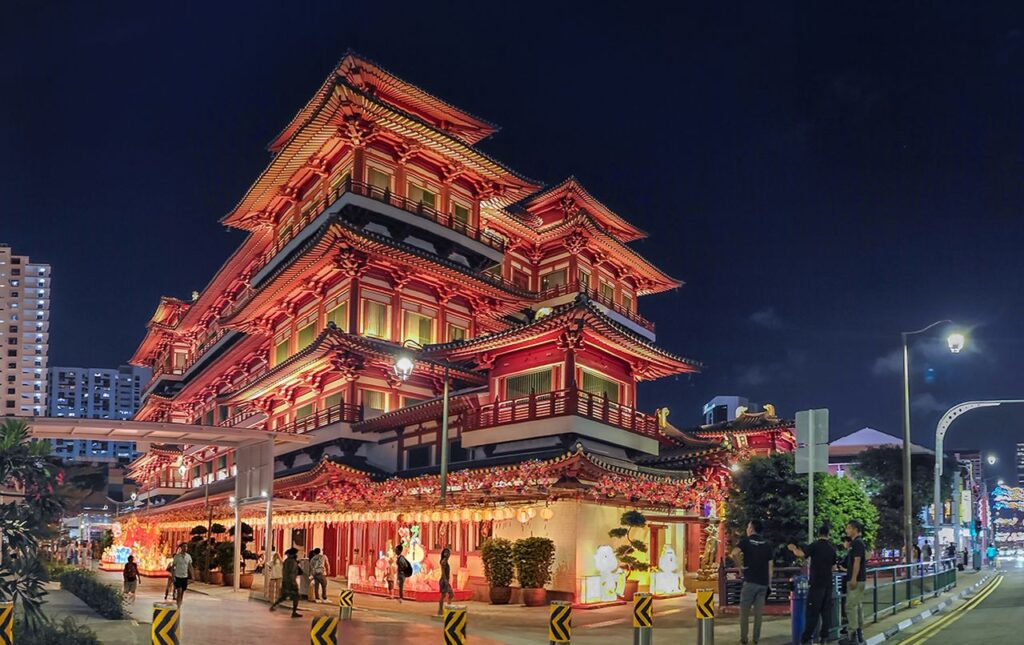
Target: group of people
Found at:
285, 575
757, 556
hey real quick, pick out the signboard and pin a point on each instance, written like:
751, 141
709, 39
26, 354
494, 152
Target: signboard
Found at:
255, 479
812, 441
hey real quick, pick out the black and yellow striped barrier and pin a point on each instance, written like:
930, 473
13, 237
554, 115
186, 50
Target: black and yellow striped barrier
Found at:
455, 625
6, 623
165, 630
705, 617
346, 601
324, 631
560, 625
643, 618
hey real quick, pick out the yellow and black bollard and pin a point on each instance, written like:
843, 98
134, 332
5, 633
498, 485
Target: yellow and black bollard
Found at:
166, 626
643, 619
705, 617
346, 600
455, 625
560, 626
6, 623
324, 631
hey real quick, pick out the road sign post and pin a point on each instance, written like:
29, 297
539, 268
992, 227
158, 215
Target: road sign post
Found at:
643, 619
324, 631
455, 625
705, 617
346, 600
560, 624
6, 623
811, 454
165, 627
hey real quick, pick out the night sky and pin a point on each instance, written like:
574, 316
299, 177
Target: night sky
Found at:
821, 179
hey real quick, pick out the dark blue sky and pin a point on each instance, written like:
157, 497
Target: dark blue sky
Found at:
821, 178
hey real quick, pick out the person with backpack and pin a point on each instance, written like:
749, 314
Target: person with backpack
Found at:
404, 570
318, 567
131, 580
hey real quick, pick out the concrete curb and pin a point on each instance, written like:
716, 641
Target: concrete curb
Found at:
924, 615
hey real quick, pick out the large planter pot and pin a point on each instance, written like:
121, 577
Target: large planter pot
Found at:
535, 597
501, 595
215, 578
630, 590
245, 582
229, 579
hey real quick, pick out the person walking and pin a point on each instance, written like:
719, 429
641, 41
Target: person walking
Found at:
758, 567
318, 566
444, 584
819, 596
170, 578
926, 552
992, 552
181, 566
276, 572
856, 577
289, 582
404, 571
131, 580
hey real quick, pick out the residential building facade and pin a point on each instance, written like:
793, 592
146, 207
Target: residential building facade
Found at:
24, 333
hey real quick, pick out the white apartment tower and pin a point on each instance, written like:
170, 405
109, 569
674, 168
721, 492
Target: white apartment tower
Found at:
24, 333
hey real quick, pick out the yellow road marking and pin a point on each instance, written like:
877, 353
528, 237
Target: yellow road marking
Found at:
955, 615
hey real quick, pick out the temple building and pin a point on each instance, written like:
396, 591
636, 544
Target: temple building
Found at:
379, 232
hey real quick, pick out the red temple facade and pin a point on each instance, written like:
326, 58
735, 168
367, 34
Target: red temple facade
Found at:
377, 226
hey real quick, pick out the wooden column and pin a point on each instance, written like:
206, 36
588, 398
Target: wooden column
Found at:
353, 306
359, 164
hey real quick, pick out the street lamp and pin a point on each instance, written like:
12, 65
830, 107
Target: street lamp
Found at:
403, 368
992, 459
955, 342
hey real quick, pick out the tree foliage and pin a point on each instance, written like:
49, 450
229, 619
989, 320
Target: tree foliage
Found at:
837, 500
626, 552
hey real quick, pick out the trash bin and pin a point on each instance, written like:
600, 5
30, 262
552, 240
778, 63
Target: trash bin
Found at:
798, 608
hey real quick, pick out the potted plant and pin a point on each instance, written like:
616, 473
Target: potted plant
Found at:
497, 556
245, 582
197, 549
533, 558
628, 550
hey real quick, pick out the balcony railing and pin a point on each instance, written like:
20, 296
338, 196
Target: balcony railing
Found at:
202, 348
559, 403
239, 417
343, 412
596, 296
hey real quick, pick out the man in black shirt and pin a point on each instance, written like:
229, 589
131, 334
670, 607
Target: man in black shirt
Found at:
758, 568
819, 597
856, 576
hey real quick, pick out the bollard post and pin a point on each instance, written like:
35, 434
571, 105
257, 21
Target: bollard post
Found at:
166, 628
643, 619
346, 600
324, 631
836, 611
455, 625
560, 623
6, 623
705, 617
798, 609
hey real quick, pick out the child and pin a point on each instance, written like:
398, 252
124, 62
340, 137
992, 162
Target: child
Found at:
444, 585
131, 580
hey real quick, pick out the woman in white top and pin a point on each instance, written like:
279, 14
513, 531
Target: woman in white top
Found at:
276, 573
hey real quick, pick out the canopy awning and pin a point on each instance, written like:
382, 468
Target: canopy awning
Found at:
153, 432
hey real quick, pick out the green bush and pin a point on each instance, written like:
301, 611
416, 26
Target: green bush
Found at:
66, 632
54, 569
497, 556
533, 557
104, 599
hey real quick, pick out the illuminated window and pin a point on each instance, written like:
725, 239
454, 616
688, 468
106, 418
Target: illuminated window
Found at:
456, 333
375, 319
521, 385
607, 291
460, 214
374, 401
627, 302
339, 316
418, 328
421, 195
305, 337
379, 179
334, 399
552, 280
303, 411
600, 386
583, 277
281, 352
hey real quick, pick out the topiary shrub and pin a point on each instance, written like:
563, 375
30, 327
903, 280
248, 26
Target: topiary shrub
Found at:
533, 557
106, 600
627, 551
497, 556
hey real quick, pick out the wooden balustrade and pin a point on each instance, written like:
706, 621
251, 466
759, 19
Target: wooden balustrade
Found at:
558, 403
343, 412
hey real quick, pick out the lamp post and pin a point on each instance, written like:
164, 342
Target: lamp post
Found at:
955, 342
403, 369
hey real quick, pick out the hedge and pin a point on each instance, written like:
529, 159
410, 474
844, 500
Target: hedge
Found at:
66, 632
106, 600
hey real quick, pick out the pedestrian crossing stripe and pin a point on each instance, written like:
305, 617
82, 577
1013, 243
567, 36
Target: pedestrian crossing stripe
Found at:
455, 625
6, 623
165, 625
346, 598
560, 627
705, 603
324, 631
642, 610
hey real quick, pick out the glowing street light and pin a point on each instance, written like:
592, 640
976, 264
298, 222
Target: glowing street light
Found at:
403, 367
992, 459
956, 342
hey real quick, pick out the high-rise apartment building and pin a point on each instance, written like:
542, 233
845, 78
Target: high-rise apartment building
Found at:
96, 393
1020, 463
24, 333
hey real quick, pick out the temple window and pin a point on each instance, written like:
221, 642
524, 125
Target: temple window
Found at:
456, 332
460, 214
410, 401
303, 411
332, 400
305, 336
338, 314
374, 401
339, 181
600, 386
378, 179
418, 457
520, 279
417, 327
421, 195
627, 302
281, 351
553, 279
607, 291
583, 277
375, 319
520, 385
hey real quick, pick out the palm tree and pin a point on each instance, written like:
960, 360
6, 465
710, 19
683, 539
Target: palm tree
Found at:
27, 505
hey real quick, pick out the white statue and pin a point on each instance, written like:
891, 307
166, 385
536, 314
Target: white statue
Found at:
607, 566
666, 579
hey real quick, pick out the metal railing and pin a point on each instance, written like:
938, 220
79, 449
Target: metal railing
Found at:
334, 414
892, 588
571, 401
596, 296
